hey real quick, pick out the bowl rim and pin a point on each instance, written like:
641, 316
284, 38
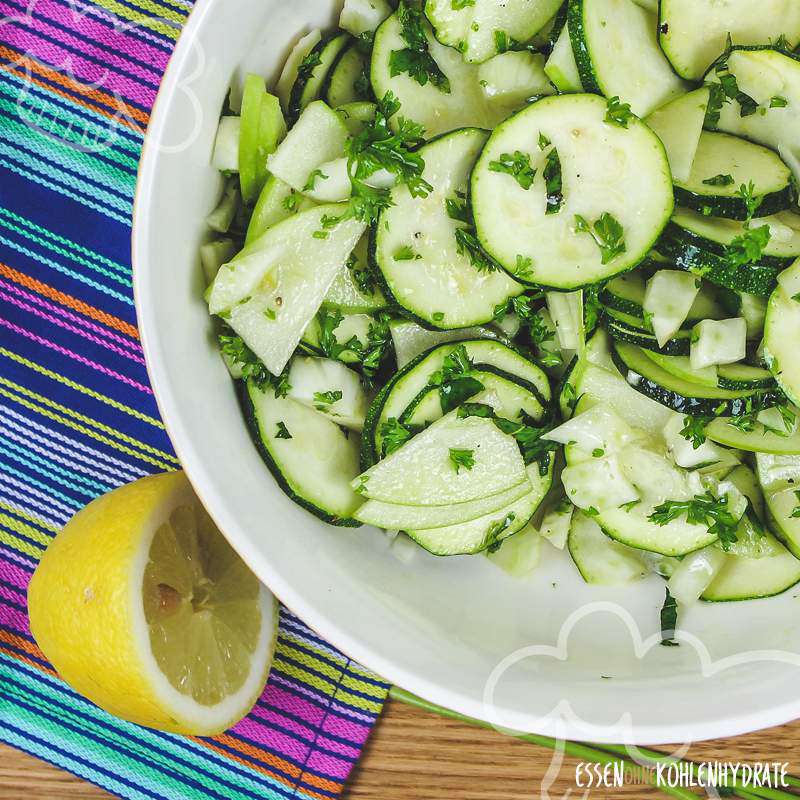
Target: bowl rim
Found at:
327, 626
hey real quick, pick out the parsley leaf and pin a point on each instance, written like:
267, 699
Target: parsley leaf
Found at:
405, 253
704, 509
290, 202
312, 180
669, 621
324, 399
618, 113
377, 147
283, 431
608, 233
796, 511
393, 436
524, 268
748, 247
553, 182
462, 458
457, 208
778, 102
517, 165
415, 59
694, 430
309, 64
239, 355
544, 142
719, 180
467, 244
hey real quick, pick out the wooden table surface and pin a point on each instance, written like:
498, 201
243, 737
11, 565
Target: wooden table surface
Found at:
414, 755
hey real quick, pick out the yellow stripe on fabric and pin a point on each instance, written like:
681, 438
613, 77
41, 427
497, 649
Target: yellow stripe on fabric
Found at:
373, 706
82, 389
24, 530
21, 547
351, 682
155, 23
83, 429
42, 523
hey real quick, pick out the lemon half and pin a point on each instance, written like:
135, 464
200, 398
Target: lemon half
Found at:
144, 608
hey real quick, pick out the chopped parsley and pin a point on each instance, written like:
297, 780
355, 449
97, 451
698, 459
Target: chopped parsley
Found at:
405, 253
462, 458
669, 621
323, 400
598, 452
796, 511
704, 509
309, 64
290, 202
458, 5
283, 431
553, 182
694, 430
467, 244
242, 357
719, 180
312, 180
524, 268
778, 102
544, 142
496, 529
608, 233
749, 246
518, 166
457, 208
630, 505
618, 113
393, 436
415, 59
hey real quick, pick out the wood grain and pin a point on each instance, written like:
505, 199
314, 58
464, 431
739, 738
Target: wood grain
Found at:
414, 755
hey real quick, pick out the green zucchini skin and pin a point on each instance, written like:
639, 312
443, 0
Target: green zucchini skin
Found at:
255, 434
696, 406
735, 207
630, 335
745, 384
705, 258
580, 49
297, 97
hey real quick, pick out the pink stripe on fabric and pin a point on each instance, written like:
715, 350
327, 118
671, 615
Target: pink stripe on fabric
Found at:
8, 556
280, 698
115, 38
16, 620
328, 765
346, 729
13, 596
334, 708
78, 68
13, 574
72, 328
294, 727
133, 344
80, 359
345, 750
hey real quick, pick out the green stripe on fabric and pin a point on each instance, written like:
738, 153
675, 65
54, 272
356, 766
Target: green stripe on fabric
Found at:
161, 753
32, 151
66, 127
46, 236
32, 518
8, 539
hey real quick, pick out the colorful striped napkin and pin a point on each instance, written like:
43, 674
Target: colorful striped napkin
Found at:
77, 415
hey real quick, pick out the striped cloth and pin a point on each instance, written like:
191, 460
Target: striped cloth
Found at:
78, 417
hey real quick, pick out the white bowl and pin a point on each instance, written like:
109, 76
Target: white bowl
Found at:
449, 630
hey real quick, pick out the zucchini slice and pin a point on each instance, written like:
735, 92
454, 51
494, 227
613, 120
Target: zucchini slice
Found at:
744, 377
617, 53
681, 345
679, 125
626, 293
483, 28
422, 472
743, 578
312, 74
289, 73
311, 457
354, 289
781, 338
692, 34
515, 77
779, 478
561, 67
408, 384
588, 173
352, 326
758, 440
393, 516
271, 291
348, 80
599, 559
681, 395
459, 103
479, 534
724, 163
277, 202
410, 339
770, 78
426, 267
